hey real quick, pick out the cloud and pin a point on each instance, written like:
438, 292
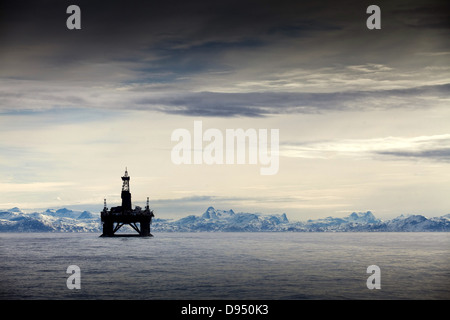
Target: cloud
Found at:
430, 15
121, 39
238, 58
440, 154
33, 187
370, 68
258, 104
29, 95
434, 148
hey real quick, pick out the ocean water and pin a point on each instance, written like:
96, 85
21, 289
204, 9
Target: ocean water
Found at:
239, 266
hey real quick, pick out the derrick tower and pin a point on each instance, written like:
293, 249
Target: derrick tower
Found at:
126, 195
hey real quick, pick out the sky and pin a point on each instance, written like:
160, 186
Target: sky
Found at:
363, 115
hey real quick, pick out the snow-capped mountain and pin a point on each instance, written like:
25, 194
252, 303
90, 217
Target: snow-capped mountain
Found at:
66, 220
61, 220
418, 223
221, 220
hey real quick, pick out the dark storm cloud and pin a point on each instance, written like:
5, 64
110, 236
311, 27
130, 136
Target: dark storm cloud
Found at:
181, 36
434, 14
179, 45
116, 27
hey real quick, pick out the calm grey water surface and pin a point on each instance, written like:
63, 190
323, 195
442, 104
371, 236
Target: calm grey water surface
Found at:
226, 266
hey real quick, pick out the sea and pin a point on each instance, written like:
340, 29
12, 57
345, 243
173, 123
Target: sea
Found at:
225, 265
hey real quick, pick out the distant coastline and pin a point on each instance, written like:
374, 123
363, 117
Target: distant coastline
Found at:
215, 220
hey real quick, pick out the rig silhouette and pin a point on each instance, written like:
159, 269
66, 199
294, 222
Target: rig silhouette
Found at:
116, 217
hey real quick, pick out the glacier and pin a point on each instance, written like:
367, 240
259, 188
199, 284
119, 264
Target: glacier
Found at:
216, 220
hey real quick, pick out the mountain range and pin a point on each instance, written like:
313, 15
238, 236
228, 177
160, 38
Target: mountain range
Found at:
66, 220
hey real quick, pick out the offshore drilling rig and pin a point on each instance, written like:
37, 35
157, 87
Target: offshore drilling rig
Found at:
114, 219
